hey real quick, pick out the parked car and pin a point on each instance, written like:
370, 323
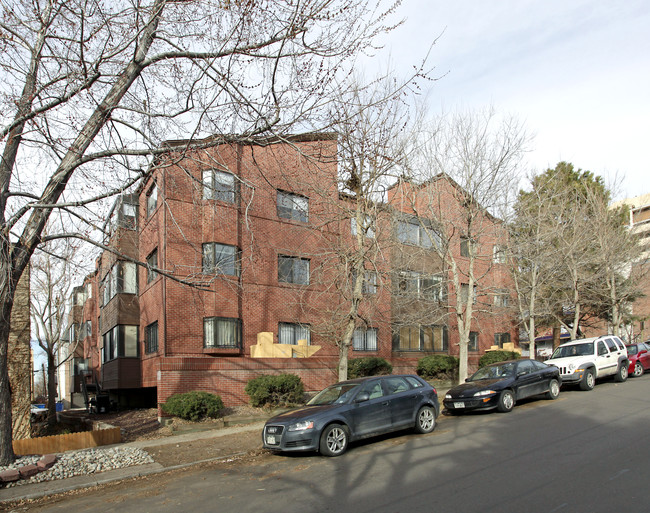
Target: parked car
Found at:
354, 409
501, 385
639, 356
583, 361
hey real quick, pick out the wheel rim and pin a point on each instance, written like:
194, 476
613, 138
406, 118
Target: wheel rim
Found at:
426, 419
555, 388
508, 400
637, 369
336, 440
591, 380
623, 372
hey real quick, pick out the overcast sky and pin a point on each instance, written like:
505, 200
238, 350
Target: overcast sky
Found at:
575, 71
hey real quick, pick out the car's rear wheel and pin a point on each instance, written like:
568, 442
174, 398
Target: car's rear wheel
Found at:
588, 380
425, 422
638, 370
553, 389
506, 401
621, 372
334, 440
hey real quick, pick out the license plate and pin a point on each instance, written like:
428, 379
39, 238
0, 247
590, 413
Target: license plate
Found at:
271, 440
459, 405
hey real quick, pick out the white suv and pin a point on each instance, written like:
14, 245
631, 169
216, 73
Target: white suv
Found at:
583, 361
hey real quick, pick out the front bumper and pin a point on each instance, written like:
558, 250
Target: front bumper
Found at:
573, 378
471, 403
276, 437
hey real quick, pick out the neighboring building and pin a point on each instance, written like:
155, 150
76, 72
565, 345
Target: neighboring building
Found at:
20, 360
639, 223
240, 278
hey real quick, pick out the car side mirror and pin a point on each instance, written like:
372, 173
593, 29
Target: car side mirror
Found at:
362, 397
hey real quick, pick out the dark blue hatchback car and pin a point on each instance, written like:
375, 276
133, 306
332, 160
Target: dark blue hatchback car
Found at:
354, 409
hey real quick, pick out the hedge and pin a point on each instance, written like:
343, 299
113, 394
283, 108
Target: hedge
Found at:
275, 390
368, 366
438, 366
497, 356
193, 405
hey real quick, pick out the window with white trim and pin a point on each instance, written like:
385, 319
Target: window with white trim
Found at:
220, 259
152, 199
219, 185
292, 206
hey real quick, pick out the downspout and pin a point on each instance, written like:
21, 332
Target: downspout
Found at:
240, 292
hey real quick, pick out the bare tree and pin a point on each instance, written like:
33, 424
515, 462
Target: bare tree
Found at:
52, 276
90, 90
375, 124
532, 256
467, 172
587, 251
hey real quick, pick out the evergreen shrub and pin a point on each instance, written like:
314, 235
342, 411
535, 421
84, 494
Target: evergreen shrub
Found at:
275, 390
193, 406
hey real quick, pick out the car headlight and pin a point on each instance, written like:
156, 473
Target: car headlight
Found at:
572, 366
448, 396
484, 392
301, 426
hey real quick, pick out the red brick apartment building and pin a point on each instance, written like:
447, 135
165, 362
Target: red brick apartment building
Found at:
239, 240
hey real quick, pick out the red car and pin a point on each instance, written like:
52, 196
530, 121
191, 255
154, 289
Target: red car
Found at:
639, 356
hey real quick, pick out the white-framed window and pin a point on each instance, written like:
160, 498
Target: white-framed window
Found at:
502, 298
367, 227
220, 259
222, 332
219, 185
152, 199
424, 286
292, 206
499, 254
121, 279
291, 333
365, 339
369, 285
464, 293
417, 233
293, 270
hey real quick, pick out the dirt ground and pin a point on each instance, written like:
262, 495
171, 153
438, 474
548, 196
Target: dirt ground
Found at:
138, 425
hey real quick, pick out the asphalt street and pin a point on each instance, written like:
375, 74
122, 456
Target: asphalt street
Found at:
584, 452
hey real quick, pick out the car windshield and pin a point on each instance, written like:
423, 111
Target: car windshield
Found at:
504, 370
336, 394
574, 350
632, 349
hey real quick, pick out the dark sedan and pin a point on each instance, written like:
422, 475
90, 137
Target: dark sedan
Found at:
502, 384
354, 409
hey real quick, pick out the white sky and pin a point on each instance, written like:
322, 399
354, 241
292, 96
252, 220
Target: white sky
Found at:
576, 72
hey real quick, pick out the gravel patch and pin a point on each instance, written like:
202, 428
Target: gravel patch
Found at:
77, 463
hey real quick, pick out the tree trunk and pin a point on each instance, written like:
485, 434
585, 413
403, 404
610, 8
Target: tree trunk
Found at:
51, 389
6, 448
